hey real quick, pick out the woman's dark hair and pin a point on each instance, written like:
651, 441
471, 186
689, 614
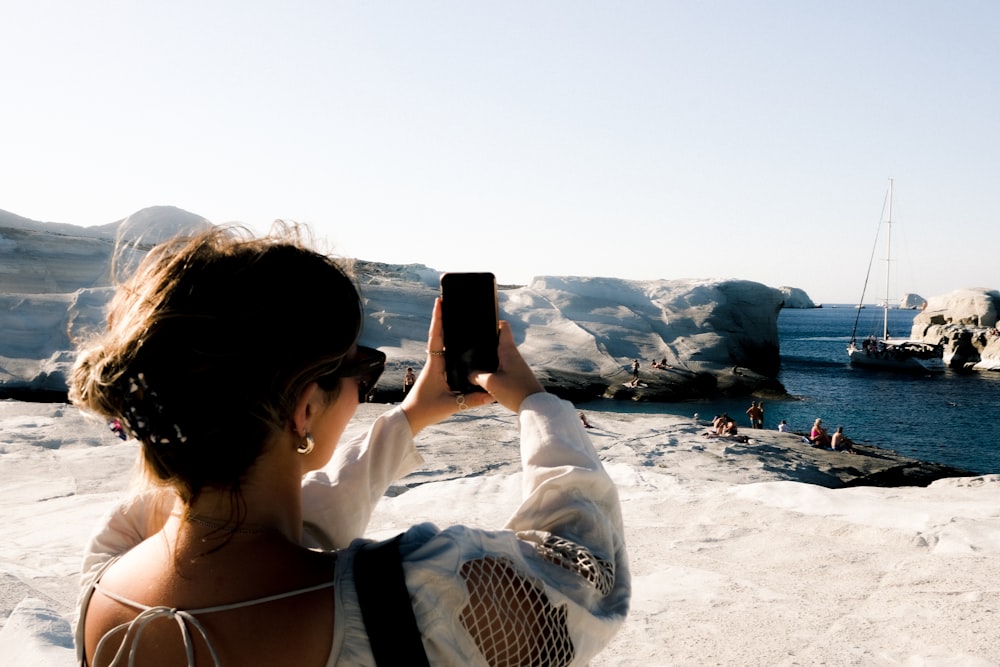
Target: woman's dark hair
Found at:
208, 346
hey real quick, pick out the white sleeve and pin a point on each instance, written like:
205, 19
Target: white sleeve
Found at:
338, 499
572, 517
566, 490
555, 584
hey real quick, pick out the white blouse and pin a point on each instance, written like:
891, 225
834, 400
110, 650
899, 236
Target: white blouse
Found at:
552, 587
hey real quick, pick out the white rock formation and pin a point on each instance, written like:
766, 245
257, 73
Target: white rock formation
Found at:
38, 334
912, 302
581, 334
974, 306
966, 322
795, 298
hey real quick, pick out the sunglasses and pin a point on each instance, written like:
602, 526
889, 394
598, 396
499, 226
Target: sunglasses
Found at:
367, 366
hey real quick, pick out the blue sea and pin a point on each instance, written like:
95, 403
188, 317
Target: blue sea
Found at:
948, 418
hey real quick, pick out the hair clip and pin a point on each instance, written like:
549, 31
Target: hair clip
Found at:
145, 415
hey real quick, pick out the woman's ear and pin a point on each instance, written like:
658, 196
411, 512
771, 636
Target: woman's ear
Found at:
305, 408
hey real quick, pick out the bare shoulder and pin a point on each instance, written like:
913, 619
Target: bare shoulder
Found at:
256, 625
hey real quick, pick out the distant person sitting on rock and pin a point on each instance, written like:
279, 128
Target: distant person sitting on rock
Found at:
818, 435
717, 422
583, 418
840, 442
783, 427
117, 428
730, 427
725, 425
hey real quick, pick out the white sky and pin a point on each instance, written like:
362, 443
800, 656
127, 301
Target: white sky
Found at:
637, 140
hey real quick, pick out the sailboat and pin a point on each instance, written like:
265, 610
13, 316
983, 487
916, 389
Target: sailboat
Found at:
885, 353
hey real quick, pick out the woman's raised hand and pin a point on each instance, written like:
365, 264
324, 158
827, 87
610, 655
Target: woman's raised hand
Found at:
431, 399
513, 380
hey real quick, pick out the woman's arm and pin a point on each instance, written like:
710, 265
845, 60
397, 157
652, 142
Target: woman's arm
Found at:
338, 499
564, 601
567, 491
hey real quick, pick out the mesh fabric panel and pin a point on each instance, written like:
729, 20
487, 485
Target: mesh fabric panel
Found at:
511, 619
571, 556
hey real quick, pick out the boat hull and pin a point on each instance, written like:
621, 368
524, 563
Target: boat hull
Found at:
899, 359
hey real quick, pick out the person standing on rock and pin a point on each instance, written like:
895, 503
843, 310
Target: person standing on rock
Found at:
408, 380
756, 414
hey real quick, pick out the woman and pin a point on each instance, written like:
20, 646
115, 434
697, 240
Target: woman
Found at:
818, 435
234, 361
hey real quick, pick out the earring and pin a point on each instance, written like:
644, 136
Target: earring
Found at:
306, 446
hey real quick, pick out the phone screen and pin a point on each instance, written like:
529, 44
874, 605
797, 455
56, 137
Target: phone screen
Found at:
471, 327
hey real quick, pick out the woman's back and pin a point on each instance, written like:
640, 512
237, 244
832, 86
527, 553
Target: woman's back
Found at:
252, 458
242, 577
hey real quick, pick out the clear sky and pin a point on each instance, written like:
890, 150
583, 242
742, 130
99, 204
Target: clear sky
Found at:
642, 140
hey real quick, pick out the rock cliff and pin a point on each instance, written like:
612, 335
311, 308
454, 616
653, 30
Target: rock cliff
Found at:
710, 337
582, 334
965, 321
912, 301
795, 298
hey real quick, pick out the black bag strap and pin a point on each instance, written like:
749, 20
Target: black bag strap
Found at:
385, 605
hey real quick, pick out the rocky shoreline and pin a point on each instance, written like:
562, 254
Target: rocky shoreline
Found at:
752, 455
965, 323
718, 531
787, 456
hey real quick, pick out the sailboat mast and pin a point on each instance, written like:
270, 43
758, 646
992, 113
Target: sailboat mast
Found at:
888, 266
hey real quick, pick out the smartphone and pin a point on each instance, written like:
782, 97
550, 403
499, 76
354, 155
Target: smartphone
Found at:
471, 327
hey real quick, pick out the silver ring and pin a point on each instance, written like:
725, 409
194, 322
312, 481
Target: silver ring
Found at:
460, 399
436, 353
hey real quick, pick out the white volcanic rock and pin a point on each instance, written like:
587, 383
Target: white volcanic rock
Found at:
741, 553
54, 258
795, 298
600, 324
10, 220
989, 355
965, 321
35, 325
156, 224
42, 262
974, 306
580, 334
912, 301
